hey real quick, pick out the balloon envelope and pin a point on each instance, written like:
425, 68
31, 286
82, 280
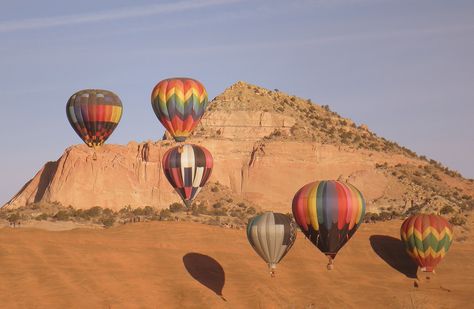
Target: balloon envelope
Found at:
328, 213
187, 168
271, 236
427, 238
179, 104
94, 114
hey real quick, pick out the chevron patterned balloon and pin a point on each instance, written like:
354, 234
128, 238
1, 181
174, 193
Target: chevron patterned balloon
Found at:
179, 104
427, 238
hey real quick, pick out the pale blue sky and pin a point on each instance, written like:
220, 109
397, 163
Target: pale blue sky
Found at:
404, 68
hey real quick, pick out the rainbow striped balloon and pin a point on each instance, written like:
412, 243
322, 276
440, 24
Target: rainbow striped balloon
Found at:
328, 213
427, 238
179, 104
94, 114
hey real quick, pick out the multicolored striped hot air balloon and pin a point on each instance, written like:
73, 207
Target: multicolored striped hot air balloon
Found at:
328, 213
179, 104
427, 238
271, 235
187, 168
94, 114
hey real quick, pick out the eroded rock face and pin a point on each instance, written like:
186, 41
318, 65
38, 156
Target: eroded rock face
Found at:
267, 173
261, 151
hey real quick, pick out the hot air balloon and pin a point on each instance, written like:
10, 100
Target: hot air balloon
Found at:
271, 235
179, 104
94, 114
187, 168
328, 213
427, 238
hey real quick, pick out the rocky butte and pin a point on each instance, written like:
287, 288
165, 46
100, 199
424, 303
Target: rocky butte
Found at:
266, 145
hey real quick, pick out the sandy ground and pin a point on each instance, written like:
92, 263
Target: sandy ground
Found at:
50, 225
189, 265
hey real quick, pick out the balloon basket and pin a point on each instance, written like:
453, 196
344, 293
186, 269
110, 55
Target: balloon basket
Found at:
330, 265
272, 270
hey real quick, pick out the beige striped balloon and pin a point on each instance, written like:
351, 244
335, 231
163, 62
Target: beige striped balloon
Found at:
271, 236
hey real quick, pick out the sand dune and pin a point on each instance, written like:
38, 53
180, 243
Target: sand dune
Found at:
188, 265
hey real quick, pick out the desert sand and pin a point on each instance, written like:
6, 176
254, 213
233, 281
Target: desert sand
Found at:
189, 265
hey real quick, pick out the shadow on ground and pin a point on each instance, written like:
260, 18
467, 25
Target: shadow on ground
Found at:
392, 251
206, 271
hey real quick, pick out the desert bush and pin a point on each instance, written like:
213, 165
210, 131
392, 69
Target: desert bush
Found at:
165, 214
108, 212
148, 211
219, 212
241, 205
42, 217
457, 220
138, 211
413, 210
14, 217
107, 221
217, 205
94, 212
61, 215
215, 189
446, 209
370, 217
235, 213
125, 210
251, 210
177, 207
468, 205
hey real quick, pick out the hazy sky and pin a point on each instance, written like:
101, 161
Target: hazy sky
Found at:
404, 68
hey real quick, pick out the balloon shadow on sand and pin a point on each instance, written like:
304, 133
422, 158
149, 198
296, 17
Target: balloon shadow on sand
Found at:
206, 271
392, 251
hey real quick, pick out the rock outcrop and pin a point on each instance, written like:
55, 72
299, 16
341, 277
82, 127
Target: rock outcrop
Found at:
266, 145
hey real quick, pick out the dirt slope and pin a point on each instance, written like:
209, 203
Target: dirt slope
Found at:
186, 265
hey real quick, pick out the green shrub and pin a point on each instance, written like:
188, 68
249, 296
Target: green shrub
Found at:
107, 221
93, 212
138, 211
457, 220
148, 211
447, 209
62, 215
251, 210
177, 207
42, 217
165, 214
14, 217
215, 189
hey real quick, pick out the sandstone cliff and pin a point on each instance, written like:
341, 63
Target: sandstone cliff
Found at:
265, 145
